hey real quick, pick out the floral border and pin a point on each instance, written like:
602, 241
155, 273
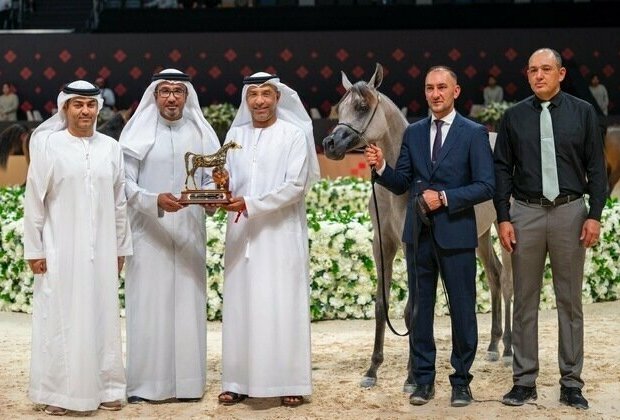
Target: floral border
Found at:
342, 275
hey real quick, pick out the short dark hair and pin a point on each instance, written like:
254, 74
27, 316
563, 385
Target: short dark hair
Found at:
558, 57
444, 68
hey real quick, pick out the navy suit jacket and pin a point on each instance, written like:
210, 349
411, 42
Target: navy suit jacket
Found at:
464, 170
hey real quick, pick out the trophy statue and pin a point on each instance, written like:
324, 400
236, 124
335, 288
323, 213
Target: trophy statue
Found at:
193, 161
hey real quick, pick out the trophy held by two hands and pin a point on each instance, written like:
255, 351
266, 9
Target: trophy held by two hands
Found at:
218, 196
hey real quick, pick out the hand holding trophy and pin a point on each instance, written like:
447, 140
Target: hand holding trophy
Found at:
215, 197
220, 177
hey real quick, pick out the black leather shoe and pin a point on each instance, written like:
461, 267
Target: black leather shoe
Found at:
461, 396
572, 396
422, 394
136, 400
520, 394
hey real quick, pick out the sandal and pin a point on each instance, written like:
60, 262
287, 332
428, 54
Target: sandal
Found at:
230, 398
292, 401
52, 410
110, 405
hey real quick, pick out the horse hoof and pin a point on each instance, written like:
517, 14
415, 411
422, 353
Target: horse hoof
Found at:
368, 382
507, 360
408, 388
492, 356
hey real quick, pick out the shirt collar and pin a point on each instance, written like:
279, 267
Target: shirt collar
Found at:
555, 101
175, 123
448, 119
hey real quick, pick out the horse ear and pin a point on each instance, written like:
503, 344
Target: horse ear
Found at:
377, 77
346, 83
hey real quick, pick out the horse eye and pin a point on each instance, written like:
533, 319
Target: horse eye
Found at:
361, 107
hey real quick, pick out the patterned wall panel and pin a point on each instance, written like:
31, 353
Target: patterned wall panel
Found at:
310, 62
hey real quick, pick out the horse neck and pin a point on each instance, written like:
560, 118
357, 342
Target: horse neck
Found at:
393, 137
224, 148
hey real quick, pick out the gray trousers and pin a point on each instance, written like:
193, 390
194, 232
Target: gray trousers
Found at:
555, 231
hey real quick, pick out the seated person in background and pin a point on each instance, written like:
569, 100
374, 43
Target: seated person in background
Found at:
8, 103
492, 92
14, 140
109, 99
600, 93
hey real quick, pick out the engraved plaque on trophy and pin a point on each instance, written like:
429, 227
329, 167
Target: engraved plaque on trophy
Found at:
218, 196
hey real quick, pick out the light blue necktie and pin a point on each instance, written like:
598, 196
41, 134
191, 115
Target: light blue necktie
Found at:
550, 185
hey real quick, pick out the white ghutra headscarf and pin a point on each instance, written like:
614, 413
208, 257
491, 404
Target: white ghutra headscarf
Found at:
138, 136
58, 121
289, 109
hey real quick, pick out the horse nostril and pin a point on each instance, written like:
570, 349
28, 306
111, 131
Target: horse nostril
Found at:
328, 143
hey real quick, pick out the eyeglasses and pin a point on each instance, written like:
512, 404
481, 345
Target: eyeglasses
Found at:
164, 93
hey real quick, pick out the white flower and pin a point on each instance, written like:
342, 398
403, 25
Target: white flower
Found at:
342, 271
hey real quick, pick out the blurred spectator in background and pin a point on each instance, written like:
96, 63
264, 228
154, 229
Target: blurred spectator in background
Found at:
115, 125
8, 103
492, 92
5, 14
600, 93
109, 101
14, 140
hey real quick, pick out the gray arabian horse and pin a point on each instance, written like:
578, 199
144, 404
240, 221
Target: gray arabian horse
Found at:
367, 116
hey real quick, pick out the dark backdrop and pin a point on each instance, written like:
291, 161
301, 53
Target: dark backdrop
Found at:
38, 65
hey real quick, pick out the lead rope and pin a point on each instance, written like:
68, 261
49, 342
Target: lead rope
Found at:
384, 294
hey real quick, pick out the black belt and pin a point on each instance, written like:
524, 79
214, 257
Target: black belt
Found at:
543, 202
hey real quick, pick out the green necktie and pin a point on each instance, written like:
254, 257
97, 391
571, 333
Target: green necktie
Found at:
550, 185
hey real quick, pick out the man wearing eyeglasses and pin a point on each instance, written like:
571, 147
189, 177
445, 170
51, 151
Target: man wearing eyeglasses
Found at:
548, 154
165, 286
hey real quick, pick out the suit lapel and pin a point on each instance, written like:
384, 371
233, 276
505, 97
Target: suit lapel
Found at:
426, 144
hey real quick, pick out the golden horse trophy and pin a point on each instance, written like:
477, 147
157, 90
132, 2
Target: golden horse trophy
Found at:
193, 161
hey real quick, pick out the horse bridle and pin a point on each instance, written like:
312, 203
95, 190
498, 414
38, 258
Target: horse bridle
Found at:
360, 133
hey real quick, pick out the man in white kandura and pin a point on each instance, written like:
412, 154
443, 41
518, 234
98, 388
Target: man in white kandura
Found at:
266, 313
165, 286
76, 234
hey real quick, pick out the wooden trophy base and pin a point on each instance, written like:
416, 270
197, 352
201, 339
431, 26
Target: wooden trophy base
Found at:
211, 197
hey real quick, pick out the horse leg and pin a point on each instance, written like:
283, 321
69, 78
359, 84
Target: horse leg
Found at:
492, 269
507, 291
384, 280
614, 177
192, 172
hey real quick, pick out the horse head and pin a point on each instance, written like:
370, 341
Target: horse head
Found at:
230, 145
365, 116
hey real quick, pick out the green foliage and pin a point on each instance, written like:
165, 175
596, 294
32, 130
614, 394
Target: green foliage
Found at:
220, 116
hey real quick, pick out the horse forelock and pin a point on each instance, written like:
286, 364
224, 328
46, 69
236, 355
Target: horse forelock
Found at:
361, 91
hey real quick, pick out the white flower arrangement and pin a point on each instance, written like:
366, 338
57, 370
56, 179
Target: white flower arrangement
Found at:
342, 271
492, 114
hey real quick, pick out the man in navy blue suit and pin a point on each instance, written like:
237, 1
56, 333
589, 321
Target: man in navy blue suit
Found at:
446, 164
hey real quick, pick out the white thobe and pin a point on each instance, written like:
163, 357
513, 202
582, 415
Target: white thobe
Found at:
266, 314
165, 281
75, 218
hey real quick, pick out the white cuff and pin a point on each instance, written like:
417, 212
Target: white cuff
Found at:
381, 169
